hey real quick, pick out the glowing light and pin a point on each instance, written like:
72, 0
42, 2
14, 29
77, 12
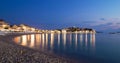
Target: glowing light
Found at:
63, 31
37, 36
64, 39
32, 40
81, 37
17, 40
43, 40
40, 40
86, 39
58, 39
46, 39
4, 25
76, 40
24, 40
28, 38
52, 40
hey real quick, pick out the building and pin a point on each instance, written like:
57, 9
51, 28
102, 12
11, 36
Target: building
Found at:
26, 28
4, 26
56, 31
64, 31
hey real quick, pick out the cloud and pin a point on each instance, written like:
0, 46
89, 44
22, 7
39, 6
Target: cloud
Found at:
112, 23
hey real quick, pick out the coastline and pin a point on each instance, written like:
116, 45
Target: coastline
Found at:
13, 53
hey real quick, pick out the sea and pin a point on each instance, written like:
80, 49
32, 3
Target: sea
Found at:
84, 48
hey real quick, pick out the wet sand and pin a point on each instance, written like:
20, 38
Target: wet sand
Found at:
13, 53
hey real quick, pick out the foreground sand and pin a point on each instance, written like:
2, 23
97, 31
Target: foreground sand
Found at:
12, 53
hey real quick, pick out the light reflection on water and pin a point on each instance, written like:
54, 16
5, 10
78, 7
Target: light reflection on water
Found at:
42, 40
63, 44
76, 45
53, 41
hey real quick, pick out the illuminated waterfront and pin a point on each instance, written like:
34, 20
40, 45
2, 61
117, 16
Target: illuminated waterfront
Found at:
82, 47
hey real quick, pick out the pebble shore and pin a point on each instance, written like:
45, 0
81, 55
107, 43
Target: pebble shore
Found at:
12, 53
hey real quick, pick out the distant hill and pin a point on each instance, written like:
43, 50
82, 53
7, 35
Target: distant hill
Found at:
73, 29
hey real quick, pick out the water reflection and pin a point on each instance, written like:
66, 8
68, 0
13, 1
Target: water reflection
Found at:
46, 39
64, 39
38, 39
32, 43
81, 39
43, 40
53, 41
17, 40
70, 39
58, 39
76, 38
24, 40
92, 40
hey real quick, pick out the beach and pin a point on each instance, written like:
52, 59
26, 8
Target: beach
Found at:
13, 53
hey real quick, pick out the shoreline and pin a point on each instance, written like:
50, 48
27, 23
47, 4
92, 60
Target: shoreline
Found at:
13, 53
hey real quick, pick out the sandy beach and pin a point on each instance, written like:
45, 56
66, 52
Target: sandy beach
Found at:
13, 53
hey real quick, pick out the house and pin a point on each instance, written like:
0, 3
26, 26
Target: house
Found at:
4, 26
64, 31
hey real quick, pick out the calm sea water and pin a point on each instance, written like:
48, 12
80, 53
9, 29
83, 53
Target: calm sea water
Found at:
86, 48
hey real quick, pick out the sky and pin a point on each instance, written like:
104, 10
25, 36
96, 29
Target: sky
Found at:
52, 14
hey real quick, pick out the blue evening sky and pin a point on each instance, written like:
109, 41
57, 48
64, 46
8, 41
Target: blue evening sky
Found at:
51, 14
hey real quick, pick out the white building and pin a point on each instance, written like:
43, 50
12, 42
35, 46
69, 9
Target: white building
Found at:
64, 31
4, 26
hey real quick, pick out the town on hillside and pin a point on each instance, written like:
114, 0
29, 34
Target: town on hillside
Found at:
6, 27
